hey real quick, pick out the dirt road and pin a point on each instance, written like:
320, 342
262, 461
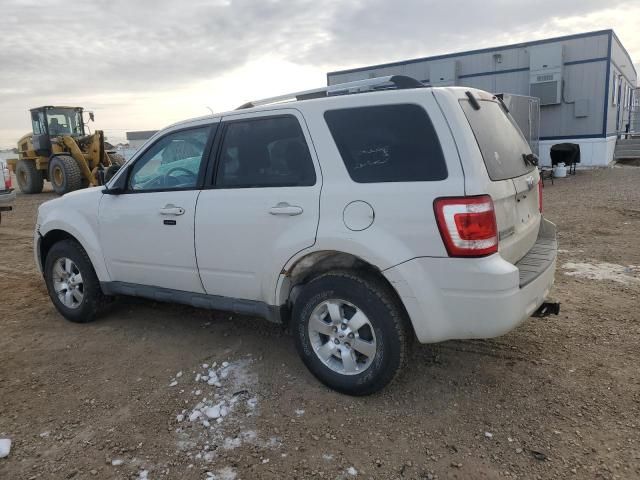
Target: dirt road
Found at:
556, 398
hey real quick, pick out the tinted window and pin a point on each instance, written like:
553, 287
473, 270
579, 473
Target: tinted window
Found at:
390, 143
269, 152
173, 162
500, 140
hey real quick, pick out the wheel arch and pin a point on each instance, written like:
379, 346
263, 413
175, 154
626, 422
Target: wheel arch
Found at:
59, 233
49, 240
314, 264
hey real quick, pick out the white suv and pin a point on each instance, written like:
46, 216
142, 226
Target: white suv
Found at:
358, 215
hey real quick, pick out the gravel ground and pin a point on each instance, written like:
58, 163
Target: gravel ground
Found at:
556, 398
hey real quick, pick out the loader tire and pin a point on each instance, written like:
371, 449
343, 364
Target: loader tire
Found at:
64, 174
30, 179
117, 159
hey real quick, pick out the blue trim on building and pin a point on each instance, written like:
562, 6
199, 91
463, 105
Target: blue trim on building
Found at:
567, 137
526, 69
474, 52
588, 60
606, 86
494, 72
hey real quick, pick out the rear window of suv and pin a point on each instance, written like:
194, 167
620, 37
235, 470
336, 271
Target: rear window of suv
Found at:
501, 142
387, 143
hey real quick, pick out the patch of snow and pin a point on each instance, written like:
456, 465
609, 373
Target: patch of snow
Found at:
5, 447
45, 434
226, 473
327, 456
488, 434
231, 443
116, 462
143, 475
173, 384
224, 405
352, 471
299, 412
604, 271
179, 374
196, 414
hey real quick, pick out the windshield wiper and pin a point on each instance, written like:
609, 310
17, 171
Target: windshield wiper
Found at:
531, 159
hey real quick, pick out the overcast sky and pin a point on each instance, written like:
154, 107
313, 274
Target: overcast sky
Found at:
144, 64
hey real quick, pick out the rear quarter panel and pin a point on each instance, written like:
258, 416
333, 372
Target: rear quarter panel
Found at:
404, 224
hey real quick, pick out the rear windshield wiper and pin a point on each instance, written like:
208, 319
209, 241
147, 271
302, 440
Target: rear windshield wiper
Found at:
531, 159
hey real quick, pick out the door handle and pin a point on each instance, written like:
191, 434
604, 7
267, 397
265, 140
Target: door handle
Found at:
283, 208
171, 209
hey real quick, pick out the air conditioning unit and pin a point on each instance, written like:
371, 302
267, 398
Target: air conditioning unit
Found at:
545, 73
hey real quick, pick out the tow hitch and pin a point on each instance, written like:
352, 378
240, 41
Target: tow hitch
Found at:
546, 309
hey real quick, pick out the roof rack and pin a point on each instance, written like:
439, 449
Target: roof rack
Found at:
359, 86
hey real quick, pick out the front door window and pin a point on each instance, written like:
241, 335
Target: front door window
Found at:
172, 163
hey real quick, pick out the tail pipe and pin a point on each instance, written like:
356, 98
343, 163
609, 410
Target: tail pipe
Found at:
546, 309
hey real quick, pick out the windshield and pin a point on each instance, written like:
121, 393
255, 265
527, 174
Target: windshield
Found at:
499, 138
64, 121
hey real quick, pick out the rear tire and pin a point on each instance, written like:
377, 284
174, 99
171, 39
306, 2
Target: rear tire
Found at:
64, 174
30, 179
72, 282
351, 332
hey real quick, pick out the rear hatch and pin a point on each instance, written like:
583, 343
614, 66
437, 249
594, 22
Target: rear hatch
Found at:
513, 177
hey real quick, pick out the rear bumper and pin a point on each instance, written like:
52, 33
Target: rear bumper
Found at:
457, 298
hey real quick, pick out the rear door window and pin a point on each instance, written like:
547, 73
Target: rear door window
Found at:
387, 143
265, 152
500, 140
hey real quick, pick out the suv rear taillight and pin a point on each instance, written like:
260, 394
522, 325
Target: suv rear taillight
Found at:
540, 187
467, 225
7, 179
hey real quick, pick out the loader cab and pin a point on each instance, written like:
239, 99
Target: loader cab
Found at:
51, 121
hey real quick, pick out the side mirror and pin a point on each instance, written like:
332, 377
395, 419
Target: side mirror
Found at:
120, 184
113, 191
92, 117
110, 172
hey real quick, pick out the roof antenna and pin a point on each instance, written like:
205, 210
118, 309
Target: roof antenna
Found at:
210, 109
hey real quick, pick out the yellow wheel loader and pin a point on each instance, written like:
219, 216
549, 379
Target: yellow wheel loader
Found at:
59, 150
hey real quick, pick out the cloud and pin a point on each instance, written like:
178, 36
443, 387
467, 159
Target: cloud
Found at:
118, 53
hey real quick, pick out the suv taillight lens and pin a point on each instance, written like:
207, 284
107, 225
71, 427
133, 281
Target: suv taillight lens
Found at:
7, 179
467, 225
540, 187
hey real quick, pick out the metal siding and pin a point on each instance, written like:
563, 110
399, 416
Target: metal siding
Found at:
584, 78
619, 57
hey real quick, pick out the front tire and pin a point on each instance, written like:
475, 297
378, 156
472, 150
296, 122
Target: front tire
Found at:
351, 332
64, 174
72, 282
